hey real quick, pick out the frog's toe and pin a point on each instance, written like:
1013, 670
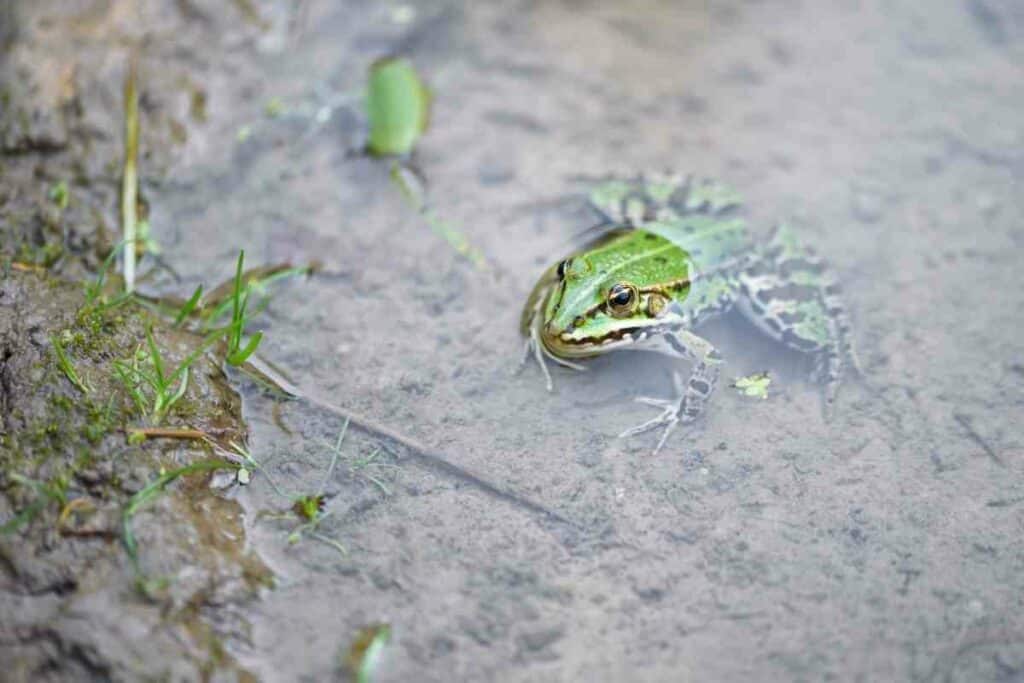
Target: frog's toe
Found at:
668, 417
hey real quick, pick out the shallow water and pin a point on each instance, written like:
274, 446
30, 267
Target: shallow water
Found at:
766, 542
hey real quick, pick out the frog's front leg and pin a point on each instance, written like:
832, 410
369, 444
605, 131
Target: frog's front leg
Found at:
690, 399
531, 322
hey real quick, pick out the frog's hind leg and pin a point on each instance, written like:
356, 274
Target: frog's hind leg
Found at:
790, 293
689, 400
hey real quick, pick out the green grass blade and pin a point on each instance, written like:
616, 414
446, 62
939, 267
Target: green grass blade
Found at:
239, 357
65, 364
156, 359
182, 387
154, 489
189, 307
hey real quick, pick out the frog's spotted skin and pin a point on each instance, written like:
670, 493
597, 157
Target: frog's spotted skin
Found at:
675, 255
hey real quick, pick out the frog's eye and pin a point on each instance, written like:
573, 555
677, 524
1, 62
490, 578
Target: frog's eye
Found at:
623, 299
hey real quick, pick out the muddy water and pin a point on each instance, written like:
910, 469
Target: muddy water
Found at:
765, 543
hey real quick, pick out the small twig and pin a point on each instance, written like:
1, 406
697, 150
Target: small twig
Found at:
27, 267
169, 433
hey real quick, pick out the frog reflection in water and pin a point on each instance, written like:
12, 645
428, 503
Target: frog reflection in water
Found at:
676, 254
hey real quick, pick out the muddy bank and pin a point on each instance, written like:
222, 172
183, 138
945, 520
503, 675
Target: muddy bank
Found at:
74, 604
76, 477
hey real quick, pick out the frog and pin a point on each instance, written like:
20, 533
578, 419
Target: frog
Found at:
671, 252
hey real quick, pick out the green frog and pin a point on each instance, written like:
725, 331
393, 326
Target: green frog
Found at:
673, 253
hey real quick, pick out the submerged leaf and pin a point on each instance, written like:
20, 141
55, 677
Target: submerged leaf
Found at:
397, 105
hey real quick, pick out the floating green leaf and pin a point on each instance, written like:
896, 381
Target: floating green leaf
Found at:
397, 105
755, 385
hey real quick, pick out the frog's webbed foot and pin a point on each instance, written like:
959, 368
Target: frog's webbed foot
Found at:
669, 418
689, 399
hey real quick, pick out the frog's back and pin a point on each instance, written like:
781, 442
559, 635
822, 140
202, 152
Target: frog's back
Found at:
699, 216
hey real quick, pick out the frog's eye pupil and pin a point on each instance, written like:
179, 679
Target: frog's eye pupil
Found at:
620, 296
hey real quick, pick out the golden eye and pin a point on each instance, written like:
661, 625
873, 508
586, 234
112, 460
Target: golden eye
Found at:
622, 299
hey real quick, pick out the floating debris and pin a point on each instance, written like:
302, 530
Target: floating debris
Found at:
755, 385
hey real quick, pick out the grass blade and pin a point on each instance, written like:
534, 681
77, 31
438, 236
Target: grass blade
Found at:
156, 358
64, 363
239, 357
150, 492
129, 176
189, 307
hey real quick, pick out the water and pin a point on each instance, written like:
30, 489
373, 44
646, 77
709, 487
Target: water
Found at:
765, 543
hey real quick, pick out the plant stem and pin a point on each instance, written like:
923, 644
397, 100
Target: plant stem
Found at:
129, 177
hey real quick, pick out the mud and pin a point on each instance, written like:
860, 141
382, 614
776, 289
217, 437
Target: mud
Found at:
764, 543
73, 606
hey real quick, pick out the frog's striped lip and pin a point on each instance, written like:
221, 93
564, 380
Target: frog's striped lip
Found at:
563, 344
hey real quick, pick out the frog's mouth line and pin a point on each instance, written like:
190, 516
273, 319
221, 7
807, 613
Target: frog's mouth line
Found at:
588, 346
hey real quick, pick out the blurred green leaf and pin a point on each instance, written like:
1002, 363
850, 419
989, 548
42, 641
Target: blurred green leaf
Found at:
397, 105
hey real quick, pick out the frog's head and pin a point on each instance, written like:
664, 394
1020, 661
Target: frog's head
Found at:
591, 310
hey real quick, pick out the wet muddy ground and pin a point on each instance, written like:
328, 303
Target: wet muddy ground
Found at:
765, 543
